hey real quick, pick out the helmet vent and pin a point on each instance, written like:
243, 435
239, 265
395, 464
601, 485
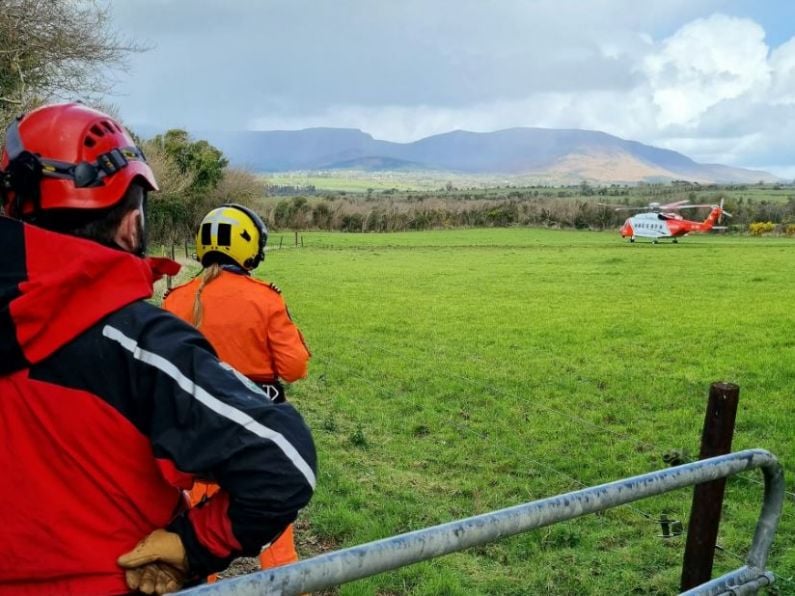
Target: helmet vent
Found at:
97, 131
224, 235
207, 234
108, 127
89, 141
118, 128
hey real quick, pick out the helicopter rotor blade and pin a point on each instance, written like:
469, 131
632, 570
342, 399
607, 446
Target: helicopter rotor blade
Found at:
621, 207
722, 212
675, 205
615, 206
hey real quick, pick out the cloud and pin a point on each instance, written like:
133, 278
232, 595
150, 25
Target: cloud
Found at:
703, 63
622, 113
782, 62
723, 95
712, 90
675, 73
254, 57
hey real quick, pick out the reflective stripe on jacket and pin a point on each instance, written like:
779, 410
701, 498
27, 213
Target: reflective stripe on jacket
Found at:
109, 408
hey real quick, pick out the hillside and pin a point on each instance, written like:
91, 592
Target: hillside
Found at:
550, 154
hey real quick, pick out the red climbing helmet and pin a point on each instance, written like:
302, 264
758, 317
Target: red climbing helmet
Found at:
69, 156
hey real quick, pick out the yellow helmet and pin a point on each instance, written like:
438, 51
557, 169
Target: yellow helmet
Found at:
232, 231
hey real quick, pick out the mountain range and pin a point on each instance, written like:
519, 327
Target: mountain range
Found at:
551, 155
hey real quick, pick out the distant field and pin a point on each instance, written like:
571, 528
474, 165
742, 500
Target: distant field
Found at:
766, 193
349, 181
456, 372
401, 180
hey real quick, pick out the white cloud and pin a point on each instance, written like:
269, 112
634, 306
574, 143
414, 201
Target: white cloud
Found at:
782, 62
705, 62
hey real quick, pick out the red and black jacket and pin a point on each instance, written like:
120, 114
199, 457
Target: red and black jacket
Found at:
109, 408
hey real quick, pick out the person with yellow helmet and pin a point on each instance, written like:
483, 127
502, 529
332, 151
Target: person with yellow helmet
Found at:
245, 320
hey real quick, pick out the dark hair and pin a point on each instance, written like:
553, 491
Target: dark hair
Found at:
99, 225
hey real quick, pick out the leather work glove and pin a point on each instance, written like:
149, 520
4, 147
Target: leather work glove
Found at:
157, 565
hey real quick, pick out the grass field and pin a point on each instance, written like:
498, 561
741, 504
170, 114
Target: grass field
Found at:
457, 372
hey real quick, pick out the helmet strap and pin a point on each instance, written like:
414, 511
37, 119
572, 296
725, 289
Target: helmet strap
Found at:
142, 235
23, 175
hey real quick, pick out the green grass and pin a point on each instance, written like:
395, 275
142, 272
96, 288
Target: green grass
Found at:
457, 372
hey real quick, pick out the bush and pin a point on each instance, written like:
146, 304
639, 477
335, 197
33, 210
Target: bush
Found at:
761, 227
352, 223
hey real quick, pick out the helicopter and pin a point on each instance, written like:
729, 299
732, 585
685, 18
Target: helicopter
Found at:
662, 221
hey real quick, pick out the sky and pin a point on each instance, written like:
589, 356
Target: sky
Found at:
714, 79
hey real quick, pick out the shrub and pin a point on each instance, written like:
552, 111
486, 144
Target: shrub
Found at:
761, 227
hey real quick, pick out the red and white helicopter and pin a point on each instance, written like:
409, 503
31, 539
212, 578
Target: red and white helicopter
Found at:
662, 221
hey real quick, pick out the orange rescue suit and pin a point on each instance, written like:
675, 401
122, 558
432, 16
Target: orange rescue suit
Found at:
247, 323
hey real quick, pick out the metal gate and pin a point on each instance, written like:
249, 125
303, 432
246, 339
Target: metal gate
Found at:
346, 565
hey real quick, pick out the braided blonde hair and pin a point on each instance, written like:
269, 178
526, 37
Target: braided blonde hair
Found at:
209, 274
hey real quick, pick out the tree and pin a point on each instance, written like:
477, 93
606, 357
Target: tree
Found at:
194, 178
203, 161
167, 215
52, 49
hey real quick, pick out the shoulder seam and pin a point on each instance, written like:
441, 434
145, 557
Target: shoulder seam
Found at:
268, 285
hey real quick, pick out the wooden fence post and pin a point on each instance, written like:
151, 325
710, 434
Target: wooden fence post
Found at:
702, 527
173, 258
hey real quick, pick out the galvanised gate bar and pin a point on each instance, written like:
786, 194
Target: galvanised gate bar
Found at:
354, 563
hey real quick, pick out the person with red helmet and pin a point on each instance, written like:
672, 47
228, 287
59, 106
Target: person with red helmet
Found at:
245, 320
110, 407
